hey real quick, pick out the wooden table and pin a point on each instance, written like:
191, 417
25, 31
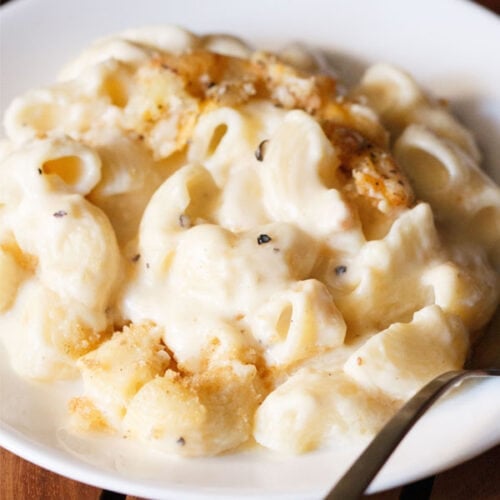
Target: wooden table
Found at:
478, 479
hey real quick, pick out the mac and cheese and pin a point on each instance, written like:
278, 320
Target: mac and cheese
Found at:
224, 248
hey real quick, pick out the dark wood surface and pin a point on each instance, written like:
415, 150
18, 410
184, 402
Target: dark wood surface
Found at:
477, 479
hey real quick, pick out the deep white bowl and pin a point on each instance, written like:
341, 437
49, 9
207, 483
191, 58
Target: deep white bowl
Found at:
450, 46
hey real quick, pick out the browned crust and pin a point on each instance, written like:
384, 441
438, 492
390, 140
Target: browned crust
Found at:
367, 168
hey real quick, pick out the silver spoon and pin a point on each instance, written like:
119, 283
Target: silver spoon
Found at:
359, 476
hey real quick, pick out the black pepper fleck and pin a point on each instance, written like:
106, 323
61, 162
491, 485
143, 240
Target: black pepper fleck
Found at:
259, 152
60, 213
263, 238
136, 257
340, 270
181, 441
40, 171
184, 221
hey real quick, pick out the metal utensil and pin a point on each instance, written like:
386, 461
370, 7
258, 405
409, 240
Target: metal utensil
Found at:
484, 363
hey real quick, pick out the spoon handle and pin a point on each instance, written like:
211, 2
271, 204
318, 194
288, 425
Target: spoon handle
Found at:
359, 476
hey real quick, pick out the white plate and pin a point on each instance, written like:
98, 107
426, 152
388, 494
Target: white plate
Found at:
449, 45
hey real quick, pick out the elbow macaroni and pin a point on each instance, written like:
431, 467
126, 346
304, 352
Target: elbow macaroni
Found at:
222, 248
